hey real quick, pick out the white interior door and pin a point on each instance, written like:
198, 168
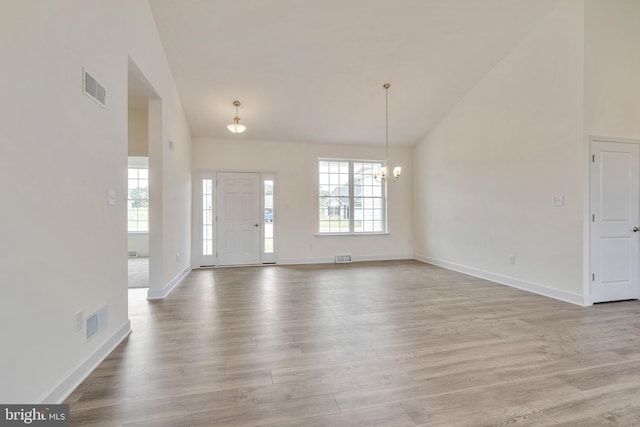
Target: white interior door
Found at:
615, 200
239, 218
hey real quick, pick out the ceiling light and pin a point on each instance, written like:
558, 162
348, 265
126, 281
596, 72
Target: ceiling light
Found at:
236, 127
383, 173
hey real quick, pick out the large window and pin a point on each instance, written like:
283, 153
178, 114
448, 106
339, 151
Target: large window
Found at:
138, 200
350, 199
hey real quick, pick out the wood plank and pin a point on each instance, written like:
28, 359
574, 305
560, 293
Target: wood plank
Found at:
380, 343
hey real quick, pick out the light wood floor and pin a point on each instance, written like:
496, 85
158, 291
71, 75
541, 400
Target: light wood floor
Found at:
374, 344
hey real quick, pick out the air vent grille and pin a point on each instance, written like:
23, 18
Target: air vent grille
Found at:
96, 322
94, 89
343, 259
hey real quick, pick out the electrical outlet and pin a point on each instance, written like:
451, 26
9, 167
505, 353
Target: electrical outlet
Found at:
511, 259
557, 201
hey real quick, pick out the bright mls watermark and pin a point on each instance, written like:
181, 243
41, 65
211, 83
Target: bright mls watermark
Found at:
34, 415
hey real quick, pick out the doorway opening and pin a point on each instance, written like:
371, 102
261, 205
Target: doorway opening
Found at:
138, 221
143, 122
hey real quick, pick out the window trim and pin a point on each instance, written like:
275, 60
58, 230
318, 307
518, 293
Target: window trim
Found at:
351, 232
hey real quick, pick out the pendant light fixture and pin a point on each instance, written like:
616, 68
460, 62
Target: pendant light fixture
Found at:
236, 127
383, 173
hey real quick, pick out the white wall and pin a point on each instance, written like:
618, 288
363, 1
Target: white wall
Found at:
61, 153
486, 174
138, 131
170, 256
296, 203
612, 74
138, 242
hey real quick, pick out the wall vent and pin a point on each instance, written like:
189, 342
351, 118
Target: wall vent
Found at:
133, 254
343, 259
96, 322
94, 89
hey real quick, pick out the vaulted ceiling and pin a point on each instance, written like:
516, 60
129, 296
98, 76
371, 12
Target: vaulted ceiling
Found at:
313, 70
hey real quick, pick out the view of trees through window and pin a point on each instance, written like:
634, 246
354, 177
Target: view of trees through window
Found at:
350, 199
138, 200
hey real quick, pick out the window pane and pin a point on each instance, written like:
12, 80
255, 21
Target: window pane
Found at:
138, 200
323, 167
143, 214
268, 215
349, 199
207, 216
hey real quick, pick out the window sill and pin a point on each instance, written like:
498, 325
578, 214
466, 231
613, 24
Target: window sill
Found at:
382, 233
137, 232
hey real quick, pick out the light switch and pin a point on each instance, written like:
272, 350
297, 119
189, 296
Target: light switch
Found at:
111, 197
558, 201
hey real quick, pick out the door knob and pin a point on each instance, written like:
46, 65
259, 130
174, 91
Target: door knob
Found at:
258, 225
636, 229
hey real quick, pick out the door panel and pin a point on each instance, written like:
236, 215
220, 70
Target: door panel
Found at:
239, 220
615, 199
615, 177
614, 260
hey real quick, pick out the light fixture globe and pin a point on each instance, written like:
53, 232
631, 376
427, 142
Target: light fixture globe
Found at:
236, 127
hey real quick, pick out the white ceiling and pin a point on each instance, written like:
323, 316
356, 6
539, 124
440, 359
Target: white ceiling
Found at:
313, 70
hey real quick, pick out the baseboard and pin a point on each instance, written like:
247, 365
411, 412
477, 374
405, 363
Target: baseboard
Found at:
332, 260
368, 258
164, 292
506, 280
297, 261
66, 387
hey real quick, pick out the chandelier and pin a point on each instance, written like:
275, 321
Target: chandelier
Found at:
383, 173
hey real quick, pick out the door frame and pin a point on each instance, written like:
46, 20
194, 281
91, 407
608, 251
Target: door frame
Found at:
204, 173
587, 256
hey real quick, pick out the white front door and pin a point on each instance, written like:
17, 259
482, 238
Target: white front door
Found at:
615, 200
239, 218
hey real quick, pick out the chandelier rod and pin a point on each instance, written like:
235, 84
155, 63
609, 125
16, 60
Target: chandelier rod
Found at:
386, 119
